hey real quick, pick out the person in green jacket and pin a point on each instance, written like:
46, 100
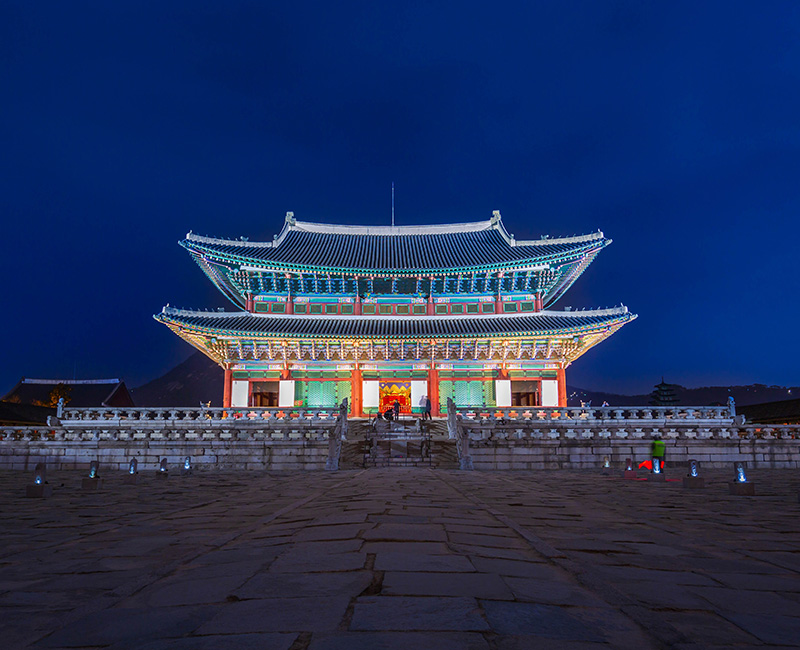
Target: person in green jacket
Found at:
659, 450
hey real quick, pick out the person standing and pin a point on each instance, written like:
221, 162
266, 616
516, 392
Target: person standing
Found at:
426, 410
396, 409
659, 450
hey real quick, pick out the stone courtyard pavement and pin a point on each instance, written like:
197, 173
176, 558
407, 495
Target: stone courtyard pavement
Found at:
399, 558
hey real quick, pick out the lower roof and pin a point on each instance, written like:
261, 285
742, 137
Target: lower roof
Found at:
245, 324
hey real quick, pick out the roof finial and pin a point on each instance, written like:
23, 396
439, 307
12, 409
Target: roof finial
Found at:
495, 217
290, 218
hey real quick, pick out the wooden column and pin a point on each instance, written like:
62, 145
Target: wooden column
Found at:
433, 391
356, 393
537, 302
249, 303
226, 388
357, 306
562, 387
431, 310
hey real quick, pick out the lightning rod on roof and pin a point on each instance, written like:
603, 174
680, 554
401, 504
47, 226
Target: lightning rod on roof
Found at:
392, 204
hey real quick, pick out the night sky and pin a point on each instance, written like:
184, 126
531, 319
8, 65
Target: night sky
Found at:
674, 127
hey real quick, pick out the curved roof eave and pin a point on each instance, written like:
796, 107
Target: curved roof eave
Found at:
213, 324
591, 246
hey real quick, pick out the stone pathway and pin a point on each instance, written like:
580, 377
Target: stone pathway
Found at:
400, 558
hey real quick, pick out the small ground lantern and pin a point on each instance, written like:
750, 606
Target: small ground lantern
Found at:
132, 475
657, 474
163, 471
39, 489
186, 470
629, 472
693, 478
93, 481
740, 486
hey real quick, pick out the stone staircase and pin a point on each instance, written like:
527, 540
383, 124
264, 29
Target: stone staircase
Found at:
444, 454
401, 447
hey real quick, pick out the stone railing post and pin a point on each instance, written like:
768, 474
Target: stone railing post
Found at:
335, 437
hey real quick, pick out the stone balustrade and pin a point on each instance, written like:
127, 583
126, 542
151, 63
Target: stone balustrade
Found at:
492, 438
176, 424
224, 438
206, 417
700, 422
718, 414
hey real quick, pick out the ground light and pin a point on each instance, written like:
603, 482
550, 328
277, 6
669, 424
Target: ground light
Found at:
693, 478
740, 486
93, 481
163, 471
606, 465
39, 489
186, 470
629, 472
132, 475
657, 473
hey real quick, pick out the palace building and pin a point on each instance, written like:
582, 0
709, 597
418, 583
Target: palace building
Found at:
383, 313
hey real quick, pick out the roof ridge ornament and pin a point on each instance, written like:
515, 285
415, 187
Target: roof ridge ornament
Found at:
290, 218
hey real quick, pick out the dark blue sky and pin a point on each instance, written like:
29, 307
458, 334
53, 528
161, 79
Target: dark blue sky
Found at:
674, 127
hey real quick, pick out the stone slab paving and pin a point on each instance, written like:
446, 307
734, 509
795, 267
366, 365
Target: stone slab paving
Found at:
400, 558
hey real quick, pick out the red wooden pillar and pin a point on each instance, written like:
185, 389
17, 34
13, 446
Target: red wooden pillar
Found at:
433, 391
562, 387
356, 393
248, 303
538, 302
357, 307
226, 388
431, 310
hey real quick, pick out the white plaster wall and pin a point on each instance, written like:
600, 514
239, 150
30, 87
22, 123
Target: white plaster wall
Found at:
502, 392
371, 394
418, 390
286, 393
549, 392
239, 392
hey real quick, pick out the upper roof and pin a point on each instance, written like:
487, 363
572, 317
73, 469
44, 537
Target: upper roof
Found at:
407, 250
244, 324
83, 393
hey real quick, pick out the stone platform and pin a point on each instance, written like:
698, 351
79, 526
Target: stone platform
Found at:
400, 558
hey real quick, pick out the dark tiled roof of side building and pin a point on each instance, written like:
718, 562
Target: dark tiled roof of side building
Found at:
13, 414
782, 412
83, 393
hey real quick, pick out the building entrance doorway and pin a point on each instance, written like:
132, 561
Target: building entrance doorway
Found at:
525, 393
264, 394
389, 391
